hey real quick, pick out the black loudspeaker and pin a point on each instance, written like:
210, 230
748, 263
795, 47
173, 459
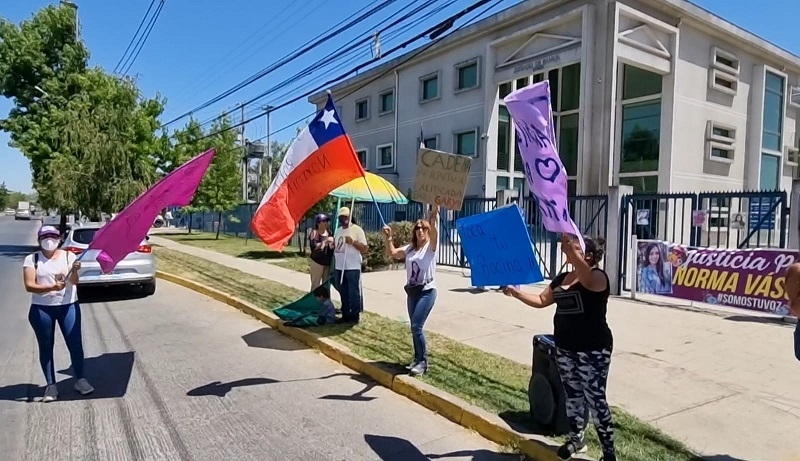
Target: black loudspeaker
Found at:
545, 391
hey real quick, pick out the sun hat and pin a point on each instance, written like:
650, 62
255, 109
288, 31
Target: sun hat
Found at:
48, 231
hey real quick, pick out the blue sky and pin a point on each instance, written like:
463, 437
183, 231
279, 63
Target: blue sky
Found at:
199, 49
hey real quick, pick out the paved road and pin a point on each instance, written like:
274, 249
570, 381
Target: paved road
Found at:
182, 377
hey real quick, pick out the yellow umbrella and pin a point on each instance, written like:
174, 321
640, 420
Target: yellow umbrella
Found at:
382, 190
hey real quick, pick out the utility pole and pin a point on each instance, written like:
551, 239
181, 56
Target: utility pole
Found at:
269, 153
244, 158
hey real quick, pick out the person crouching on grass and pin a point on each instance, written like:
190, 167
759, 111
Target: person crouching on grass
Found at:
420, 257
583, 341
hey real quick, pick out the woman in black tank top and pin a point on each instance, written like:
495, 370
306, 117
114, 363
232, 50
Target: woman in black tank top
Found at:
583, 341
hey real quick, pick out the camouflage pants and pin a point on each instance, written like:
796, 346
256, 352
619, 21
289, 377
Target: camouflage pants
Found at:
585, 375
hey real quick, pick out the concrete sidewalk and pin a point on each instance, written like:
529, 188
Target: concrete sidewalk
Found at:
724, 383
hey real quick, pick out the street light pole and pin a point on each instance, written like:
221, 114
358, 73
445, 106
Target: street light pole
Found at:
74, 7
269, 110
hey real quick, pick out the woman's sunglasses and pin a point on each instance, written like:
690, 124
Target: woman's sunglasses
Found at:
416, 228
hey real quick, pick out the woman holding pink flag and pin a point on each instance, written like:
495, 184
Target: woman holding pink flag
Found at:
54, 300
583, 341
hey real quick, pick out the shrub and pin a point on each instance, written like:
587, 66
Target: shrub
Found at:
376, 259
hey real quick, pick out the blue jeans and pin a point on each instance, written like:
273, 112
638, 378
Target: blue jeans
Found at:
350, 293
797, 341
43, 319
419, 308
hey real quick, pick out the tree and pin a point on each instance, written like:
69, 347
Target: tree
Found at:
3, 196
88, 135
219, 191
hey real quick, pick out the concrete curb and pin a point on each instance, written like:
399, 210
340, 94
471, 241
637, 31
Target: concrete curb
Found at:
488, 425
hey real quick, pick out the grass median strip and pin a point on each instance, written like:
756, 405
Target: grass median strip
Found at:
486, 380
289, 258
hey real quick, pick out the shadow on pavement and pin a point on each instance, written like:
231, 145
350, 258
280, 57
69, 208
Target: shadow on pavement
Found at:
721, 458
522, 422
473, 291
396, 449
758, 319
16, 252
109, 373
221, 389
266, 254
267, 338
358, 396
90, 295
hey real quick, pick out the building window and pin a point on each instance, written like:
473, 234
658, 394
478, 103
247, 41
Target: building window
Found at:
362, 109
362, 157
504, 90
385, 156
725, 61
770, 172
502, 183
386, 100
773, 112
519, 185
503, 139
429, 87
641, 184
723, 82
431, 143
466, 143
639, 83
467, 76
565, 93
720, 142
640, 128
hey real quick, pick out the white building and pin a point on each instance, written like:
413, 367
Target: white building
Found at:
658, 94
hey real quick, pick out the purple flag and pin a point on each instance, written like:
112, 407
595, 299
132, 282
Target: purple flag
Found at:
533, 122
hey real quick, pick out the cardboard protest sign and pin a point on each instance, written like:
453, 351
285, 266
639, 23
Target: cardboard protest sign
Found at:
441, 178
498, 248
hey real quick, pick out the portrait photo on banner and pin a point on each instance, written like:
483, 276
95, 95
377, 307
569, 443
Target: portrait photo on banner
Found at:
654, 267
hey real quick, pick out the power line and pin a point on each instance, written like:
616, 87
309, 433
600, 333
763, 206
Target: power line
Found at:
437, 30
290, 57
212, 73
356, 56
138, 29
342, 52
143, 38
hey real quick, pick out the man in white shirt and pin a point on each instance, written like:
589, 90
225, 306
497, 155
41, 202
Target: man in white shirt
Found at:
350, 245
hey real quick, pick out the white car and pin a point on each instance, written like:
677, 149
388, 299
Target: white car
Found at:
22, 214
10, 212
138, 268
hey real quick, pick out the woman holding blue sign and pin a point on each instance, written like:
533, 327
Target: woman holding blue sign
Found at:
420, 257
583, 341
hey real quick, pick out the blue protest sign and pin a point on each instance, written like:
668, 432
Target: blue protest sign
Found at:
498, 248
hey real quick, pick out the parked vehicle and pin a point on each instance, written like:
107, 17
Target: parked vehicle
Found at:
137, 269
10, 212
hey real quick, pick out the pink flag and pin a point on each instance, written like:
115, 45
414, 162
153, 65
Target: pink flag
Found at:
123, 234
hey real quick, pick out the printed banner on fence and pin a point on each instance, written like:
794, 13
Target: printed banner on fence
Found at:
441, 178
533, 121
748, 279
498, 248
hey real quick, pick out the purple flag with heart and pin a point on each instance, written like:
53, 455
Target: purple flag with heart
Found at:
533, 121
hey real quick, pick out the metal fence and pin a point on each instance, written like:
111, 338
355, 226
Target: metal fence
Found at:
734, 219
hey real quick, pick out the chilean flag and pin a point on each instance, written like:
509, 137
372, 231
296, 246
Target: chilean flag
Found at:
321, 159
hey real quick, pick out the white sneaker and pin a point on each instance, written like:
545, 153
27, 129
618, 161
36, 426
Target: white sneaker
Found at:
83, 387
50, 393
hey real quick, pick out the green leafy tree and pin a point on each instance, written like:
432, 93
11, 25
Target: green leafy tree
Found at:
88, 135
3, 195
221, 187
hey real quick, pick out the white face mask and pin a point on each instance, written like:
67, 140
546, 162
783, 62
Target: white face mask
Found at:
49, 244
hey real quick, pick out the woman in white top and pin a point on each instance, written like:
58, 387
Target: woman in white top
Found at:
420, 287
54, 300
